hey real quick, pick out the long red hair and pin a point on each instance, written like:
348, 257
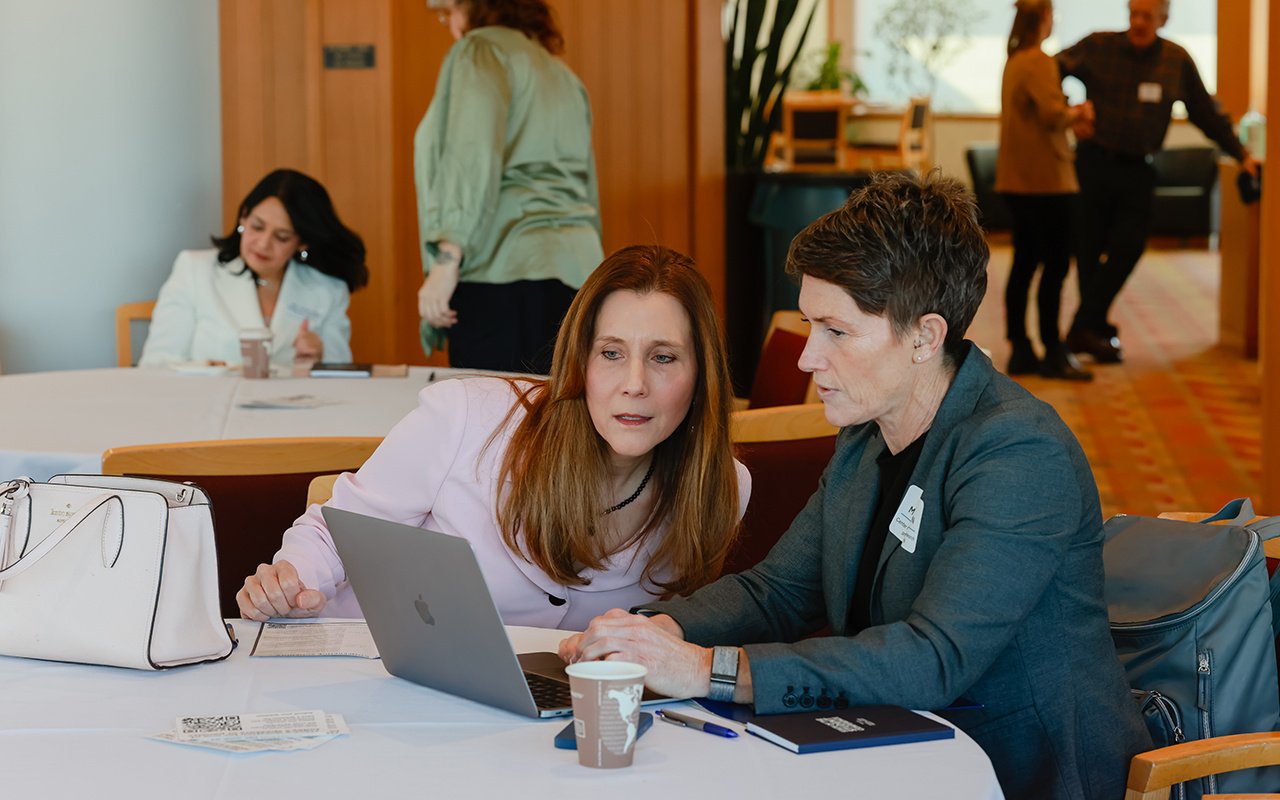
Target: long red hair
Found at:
556, 461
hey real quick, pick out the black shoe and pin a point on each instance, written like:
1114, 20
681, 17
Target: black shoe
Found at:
1104, 350
1059, 363
1023, 359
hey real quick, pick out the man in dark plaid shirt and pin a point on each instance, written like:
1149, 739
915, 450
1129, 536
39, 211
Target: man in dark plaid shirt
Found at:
1133, 78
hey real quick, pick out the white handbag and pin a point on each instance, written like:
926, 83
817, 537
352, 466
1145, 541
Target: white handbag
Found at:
109, 570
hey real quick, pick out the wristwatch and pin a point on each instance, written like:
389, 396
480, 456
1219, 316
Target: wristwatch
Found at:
724, 674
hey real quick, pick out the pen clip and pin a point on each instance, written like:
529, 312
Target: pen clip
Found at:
671, 719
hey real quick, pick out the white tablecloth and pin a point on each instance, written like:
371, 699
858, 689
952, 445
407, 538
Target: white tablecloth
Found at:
55, 422
71, 731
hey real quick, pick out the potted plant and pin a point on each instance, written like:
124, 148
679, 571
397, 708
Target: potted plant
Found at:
830, 76
757, 73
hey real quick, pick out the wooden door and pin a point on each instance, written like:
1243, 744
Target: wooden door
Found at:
653, 69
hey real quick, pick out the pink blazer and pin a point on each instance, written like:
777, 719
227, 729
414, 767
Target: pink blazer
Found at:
430, 472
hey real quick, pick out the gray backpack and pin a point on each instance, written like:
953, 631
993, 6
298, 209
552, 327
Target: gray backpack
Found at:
1195, 619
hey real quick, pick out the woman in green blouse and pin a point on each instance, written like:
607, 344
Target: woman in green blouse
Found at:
508, 211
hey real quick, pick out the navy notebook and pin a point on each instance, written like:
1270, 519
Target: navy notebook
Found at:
844, 728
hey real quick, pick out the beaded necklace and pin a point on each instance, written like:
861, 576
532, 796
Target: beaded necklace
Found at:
643, 483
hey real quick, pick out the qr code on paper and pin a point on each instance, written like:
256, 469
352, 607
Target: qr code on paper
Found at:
224, 724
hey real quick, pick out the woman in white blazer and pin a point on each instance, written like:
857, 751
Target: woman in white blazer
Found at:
289, 266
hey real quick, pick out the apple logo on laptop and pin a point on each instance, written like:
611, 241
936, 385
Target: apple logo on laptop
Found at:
423, 610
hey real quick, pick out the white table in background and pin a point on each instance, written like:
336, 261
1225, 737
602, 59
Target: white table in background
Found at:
56, 422
70, 731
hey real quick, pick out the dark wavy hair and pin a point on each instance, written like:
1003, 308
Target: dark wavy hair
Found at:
903, 246
332, 247
533, 18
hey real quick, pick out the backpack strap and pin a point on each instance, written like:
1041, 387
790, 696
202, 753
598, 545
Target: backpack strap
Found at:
1238, 512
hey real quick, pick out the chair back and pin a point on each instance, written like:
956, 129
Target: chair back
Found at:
257, 488
321, 489
786, 448
913, 138
813, 129
126, 315
778, 380
909, 150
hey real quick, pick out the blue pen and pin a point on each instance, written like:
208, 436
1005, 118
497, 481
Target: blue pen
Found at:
697, 724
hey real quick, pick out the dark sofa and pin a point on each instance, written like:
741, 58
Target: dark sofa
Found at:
1186, 196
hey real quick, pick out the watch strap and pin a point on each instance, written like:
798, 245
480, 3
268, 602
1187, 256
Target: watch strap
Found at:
724, 674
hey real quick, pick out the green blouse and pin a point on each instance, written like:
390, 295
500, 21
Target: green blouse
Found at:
504, 167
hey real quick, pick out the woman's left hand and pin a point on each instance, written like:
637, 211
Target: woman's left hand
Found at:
307, 346
675, 667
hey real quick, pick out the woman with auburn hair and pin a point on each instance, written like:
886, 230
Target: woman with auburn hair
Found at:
609, 484
508, 213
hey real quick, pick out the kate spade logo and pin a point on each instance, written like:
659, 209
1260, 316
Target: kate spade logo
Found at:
61, 513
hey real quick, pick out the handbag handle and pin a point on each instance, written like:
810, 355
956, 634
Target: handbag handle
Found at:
112, 535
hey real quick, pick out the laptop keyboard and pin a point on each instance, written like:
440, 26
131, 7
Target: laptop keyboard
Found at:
548, 693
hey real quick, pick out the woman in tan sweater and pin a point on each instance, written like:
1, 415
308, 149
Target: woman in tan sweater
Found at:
1035, 173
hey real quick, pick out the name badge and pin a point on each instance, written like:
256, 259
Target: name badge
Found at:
906, 520
1150, 92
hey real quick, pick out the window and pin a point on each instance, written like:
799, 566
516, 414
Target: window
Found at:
970, 83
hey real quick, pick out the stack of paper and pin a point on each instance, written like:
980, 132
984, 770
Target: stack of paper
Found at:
253, 733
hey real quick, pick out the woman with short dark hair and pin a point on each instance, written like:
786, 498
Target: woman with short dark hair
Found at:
508, 213
954, 545
288, 266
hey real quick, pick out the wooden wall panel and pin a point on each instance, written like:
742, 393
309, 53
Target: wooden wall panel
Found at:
264, 107
1269, 296
654, 72
652, 69
1235, 62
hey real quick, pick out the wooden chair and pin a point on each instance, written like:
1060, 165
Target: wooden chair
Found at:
813, 131
126, 315
257, 488
1151, 774
910, 151
321, 489
786, 448
778, 380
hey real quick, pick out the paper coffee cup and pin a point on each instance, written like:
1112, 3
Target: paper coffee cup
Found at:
606, 711
255, 352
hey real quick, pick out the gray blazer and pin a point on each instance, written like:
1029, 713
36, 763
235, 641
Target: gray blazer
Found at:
1001, 603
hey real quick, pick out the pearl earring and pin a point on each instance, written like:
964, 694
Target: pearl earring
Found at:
239, 229
303, 255
919, 358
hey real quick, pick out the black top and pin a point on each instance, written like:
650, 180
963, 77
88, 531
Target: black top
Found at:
895, 477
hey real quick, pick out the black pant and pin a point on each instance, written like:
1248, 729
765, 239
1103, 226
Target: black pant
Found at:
1041, 235
507, 326
1114, 222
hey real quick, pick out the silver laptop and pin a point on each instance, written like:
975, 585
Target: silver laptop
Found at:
434, 621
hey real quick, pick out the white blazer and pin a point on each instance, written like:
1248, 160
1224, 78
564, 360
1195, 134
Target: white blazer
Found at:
204, 305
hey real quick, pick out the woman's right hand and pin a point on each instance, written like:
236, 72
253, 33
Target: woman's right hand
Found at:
276, 591
437, 290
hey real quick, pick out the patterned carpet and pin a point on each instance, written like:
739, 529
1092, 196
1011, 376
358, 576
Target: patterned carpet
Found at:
1176, 426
